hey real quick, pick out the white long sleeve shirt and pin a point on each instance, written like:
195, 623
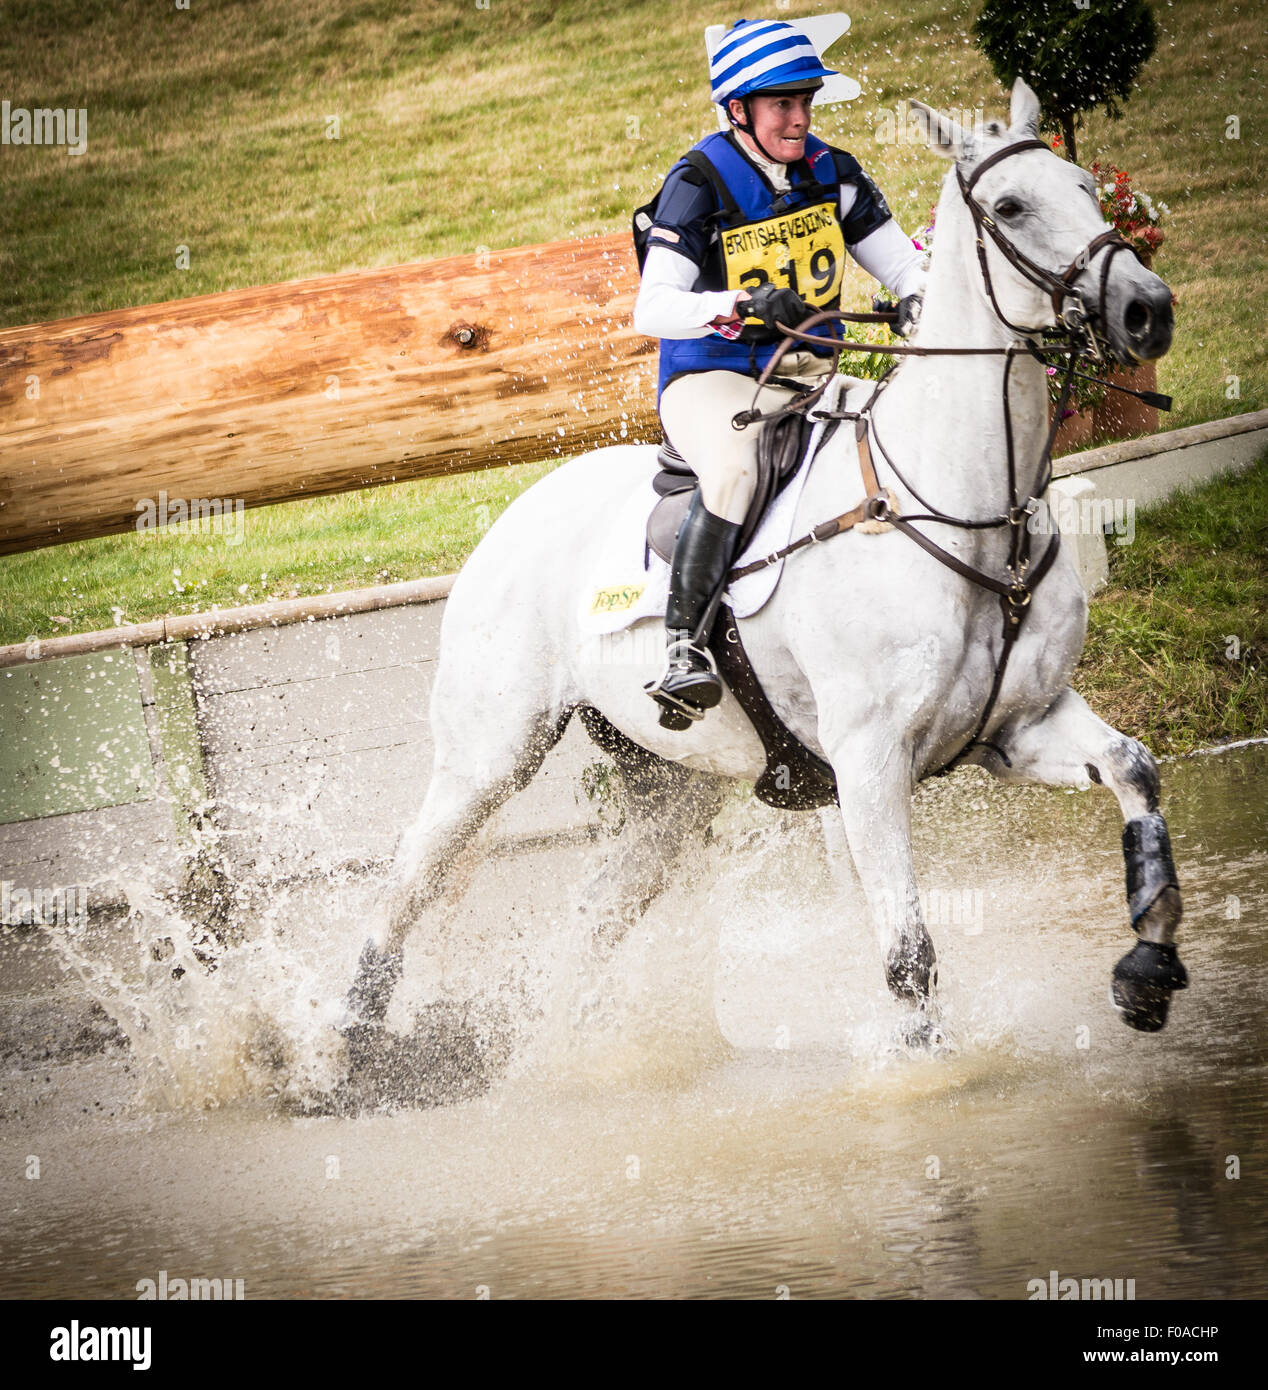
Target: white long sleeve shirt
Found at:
667, 307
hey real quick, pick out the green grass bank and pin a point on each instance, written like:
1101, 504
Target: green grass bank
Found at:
460, 127
1177, 640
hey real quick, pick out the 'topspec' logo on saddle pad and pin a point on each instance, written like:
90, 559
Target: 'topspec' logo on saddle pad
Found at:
616, 599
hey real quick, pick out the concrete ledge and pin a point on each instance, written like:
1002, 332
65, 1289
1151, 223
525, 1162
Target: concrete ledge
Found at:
219, 623
316, 745
97, 850
1139, 473
1087, 542
1194, 455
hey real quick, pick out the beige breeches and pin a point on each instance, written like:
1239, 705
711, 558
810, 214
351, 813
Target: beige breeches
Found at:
696, 411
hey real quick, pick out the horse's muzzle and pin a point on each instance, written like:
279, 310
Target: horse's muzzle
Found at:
1140, 317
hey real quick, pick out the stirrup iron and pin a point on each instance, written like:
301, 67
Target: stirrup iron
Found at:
678, 713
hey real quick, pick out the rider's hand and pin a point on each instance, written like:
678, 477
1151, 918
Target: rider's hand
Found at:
774, 304
909, 314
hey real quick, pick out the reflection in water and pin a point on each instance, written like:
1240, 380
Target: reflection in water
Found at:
731, 1120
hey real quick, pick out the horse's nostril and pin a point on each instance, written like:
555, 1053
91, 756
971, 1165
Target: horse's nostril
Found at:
1137, 318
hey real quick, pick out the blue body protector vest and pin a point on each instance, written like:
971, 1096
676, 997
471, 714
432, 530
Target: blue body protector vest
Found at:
723, 214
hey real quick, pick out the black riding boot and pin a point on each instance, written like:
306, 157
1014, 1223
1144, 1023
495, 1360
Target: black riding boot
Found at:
702, 556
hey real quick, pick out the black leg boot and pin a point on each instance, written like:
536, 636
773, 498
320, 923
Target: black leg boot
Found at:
702, 556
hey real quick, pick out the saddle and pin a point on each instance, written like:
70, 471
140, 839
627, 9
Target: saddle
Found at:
781, 451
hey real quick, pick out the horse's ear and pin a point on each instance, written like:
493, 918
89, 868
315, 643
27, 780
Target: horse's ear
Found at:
945, 136
1023, 111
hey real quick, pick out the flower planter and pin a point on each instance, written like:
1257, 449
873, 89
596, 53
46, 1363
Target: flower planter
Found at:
1125, 416
1117, 416
1075, 433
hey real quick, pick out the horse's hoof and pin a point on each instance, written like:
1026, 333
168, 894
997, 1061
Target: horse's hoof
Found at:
1143, 982
922, 1033
444, 1060
1141, 1007
371, 992
368, 1047
386, 1071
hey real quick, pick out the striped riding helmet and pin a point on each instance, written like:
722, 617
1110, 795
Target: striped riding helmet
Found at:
760, 55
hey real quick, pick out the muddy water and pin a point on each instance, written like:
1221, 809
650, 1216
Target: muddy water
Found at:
725, 1114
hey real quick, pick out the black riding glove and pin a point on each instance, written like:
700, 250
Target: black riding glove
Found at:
774, 304
909, 314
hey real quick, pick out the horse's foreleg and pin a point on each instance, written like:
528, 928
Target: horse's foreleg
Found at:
1070, 747
875, 788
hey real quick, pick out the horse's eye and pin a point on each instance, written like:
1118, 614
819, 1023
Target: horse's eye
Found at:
1007, 208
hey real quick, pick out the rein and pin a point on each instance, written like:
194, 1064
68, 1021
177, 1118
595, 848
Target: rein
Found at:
1015, 593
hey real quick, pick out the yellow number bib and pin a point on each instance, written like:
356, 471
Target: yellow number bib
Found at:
802, 251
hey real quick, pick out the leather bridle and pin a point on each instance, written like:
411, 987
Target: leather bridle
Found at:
1059, 287
1015, 593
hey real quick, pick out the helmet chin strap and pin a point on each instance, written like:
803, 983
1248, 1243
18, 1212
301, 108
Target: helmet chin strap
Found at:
750, 131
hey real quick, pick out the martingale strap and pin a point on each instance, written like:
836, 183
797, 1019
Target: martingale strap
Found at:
879, 505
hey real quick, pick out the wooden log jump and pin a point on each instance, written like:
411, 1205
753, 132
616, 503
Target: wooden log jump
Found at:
316, 386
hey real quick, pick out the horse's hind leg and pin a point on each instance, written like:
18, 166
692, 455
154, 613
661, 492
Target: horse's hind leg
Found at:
668, 810
1068, 746
470, 780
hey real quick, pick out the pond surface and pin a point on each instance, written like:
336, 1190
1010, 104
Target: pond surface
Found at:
733, 1120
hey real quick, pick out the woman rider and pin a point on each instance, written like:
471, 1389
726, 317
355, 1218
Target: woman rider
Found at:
751, 236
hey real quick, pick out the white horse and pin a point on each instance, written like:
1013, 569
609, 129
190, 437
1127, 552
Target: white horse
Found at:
876, 655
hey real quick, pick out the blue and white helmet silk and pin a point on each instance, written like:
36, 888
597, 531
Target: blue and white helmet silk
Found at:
757, 55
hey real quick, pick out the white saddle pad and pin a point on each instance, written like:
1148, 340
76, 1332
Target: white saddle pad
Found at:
622, 592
